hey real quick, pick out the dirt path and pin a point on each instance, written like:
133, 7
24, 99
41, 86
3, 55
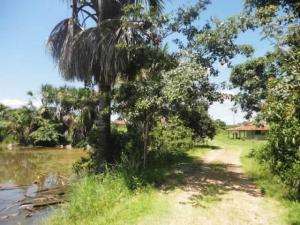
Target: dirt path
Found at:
215, 191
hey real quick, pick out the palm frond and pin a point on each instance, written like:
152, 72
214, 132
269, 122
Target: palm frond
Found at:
94, 54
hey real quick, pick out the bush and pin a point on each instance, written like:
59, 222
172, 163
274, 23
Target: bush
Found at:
46, 135
3, 133
171, 136
221, 125
281, 156
282, 153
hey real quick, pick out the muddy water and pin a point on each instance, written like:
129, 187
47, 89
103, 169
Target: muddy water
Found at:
24, 172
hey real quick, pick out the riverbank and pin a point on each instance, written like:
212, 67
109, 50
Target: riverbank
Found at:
107, 199
206, 185
31, 179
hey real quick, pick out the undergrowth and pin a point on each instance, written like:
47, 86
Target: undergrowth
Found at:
107, 199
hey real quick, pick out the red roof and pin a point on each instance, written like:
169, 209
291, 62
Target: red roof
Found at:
119, 122
250, 127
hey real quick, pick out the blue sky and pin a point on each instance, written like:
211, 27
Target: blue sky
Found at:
25, 64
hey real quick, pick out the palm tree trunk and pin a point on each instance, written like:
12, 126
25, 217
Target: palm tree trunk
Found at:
145, 139
102, 143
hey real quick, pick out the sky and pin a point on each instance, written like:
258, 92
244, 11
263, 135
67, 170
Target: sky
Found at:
25, 63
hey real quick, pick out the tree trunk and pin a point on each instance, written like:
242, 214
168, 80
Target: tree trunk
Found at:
146, 140
102, 133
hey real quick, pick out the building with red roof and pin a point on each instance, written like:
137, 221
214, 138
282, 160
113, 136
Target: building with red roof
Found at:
249, 130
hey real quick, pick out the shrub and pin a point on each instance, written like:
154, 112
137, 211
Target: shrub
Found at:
282, 153
171, 136
46, 135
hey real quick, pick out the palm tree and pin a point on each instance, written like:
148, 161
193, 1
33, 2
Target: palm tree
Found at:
86, 48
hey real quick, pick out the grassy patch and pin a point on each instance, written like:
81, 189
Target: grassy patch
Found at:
200, 151
210, 194
217, 167
224, 141
106, 199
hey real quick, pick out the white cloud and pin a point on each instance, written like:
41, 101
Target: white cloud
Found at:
37, 103
217, 110
13, 103
224, 112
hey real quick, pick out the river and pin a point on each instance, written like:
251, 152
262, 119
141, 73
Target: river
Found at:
24, 173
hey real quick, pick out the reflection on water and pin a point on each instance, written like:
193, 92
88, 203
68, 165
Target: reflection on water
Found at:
23, 167
23, 172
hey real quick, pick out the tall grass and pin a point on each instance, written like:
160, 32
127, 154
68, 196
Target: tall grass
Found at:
107, 199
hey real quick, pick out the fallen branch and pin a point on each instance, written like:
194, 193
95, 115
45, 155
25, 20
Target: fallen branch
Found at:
3, 188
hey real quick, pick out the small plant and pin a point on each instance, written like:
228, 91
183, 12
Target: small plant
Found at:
210, 194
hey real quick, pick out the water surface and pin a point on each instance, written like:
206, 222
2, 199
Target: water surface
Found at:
24, 172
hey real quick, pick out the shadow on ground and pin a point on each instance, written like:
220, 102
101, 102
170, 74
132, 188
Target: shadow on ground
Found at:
208, 181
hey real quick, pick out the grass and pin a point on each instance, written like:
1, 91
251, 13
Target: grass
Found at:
268, 183
272, 187
106, 199
117, 198
222, 140
111, 199
209, 195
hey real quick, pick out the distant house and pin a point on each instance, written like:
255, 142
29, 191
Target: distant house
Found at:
119, 123
248, 130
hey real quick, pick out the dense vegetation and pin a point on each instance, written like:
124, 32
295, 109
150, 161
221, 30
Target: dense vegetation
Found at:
64, 117
270, 86
135, 76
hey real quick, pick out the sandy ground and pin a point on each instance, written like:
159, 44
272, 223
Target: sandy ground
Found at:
217, 192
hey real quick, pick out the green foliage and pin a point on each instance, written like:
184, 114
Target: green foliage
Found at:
106, 199
211, 43
46, 135
221, 125
282, 110
171, 136
184, 92
188, 83
217, 38
271, 185
188, 93
270, 85
252, 79
65, 117
199, 121
72, 107
3, 122
20, 123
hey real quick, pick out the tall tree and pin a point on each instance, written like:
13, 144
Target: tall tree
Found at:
270, 85
88, 47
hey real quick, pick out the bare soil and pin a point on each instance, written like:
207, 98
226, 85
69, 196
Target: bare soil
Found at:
215, 191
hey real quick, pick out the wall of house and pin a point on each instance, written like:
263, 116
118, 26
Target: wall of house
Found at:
259, 135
